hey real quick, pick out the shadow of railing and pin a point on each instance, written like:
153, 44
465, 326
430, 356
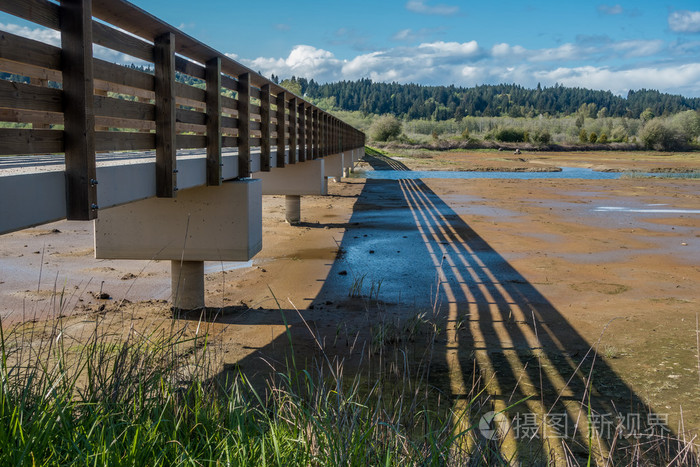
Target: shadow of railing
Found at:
557, 396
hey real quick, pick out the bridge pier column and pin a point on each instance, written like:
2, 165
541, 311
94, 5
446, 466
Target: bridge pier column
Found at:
216, 223
295, 181
187, 281
292, 205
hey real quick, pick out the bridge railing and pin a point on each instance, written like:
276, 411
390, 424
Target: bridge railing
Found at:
66, 100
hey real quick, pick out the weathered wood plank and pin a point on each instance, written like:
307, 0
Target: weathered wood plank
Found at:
31, 116
188, 67
190, 116
191, 93
229, 104
302, 132
191, 141
293, 129
244, 126
114, 39
20, 49
142, 83
124, 141
281, 128
265, 141
37, 11
213, 120
166, 161
27, 97
109, 107
78, 111
229, 141
112, 122
31, 71
18, 142
229, 122
229, 83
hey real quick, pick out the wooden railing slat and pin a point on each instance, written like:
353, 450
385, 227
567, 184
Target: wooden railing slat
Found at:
109, 107
21, 49
124, 141
114, 39
21, 141
25, 96
37, 11
124, 76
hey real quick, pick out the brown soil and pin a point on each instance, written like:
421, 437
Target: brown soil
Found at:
532, 274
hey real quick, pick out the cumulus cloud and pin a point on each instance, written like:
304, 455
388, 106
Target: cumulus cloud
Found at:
48, 36
419, 6
303, 61
684, 21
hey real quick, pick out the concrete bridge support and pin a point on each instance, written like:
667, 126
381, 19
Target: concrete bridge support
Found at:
334, 166
202, 224
294, 181
187, 284
292, 206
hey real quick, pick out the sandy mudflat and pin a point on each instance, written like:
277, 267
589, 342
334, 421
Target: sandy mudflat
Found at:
508, 267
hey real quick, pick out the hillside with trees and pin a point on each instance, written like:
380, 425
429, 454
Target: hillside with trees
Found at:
414, 101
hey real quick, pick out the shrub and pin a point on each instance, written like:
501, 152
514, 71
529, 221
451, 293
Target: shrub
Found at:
593, 137
385, 128
511, 135
582, 136
603, 138
542, 137
657, 135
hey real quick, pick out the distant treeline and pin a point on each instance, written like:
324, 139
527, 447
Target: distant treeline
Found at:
413, 101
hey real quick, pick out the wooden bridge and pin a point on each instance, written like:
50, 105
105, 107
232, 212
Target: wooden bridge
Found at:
167, 170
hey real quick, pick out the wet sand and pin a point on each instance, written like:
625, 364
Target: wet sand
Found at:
513, 269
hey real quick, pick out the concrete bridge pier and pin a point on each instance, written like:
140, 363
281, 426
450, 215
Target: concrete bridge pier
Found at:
218, 223
187, 284
334, 167
295, 181
292, 205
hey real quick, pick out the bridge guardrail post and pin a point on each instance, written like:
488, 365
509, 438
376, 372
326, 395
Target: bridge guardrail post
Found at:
166, 147
293, 126
244, 168
281, 128
265, 128
78, 109
213, 90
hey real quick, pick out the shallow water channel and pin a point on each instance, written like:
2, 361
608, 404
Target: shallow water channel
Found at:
566, 172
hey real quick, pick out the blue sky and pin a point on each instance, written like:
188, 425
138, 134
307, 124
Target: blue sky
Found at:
612, 46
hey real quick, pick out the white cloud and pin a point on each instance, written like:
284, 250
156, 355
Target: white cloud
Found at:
48, 36
610, 9
303, 61
504, 50
684, 21
419, 6
639, 48
563, 52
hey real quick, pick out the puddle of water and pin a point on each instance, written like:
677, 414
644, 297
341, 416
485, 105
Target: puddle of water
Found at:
566, 173
226, 266
646, 210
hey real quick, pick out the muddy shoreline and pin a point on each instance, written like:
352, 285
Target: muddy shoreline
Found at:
581, 262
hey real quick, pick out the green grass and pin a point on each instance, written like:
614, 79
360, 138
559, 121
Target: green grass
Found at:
106, 397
